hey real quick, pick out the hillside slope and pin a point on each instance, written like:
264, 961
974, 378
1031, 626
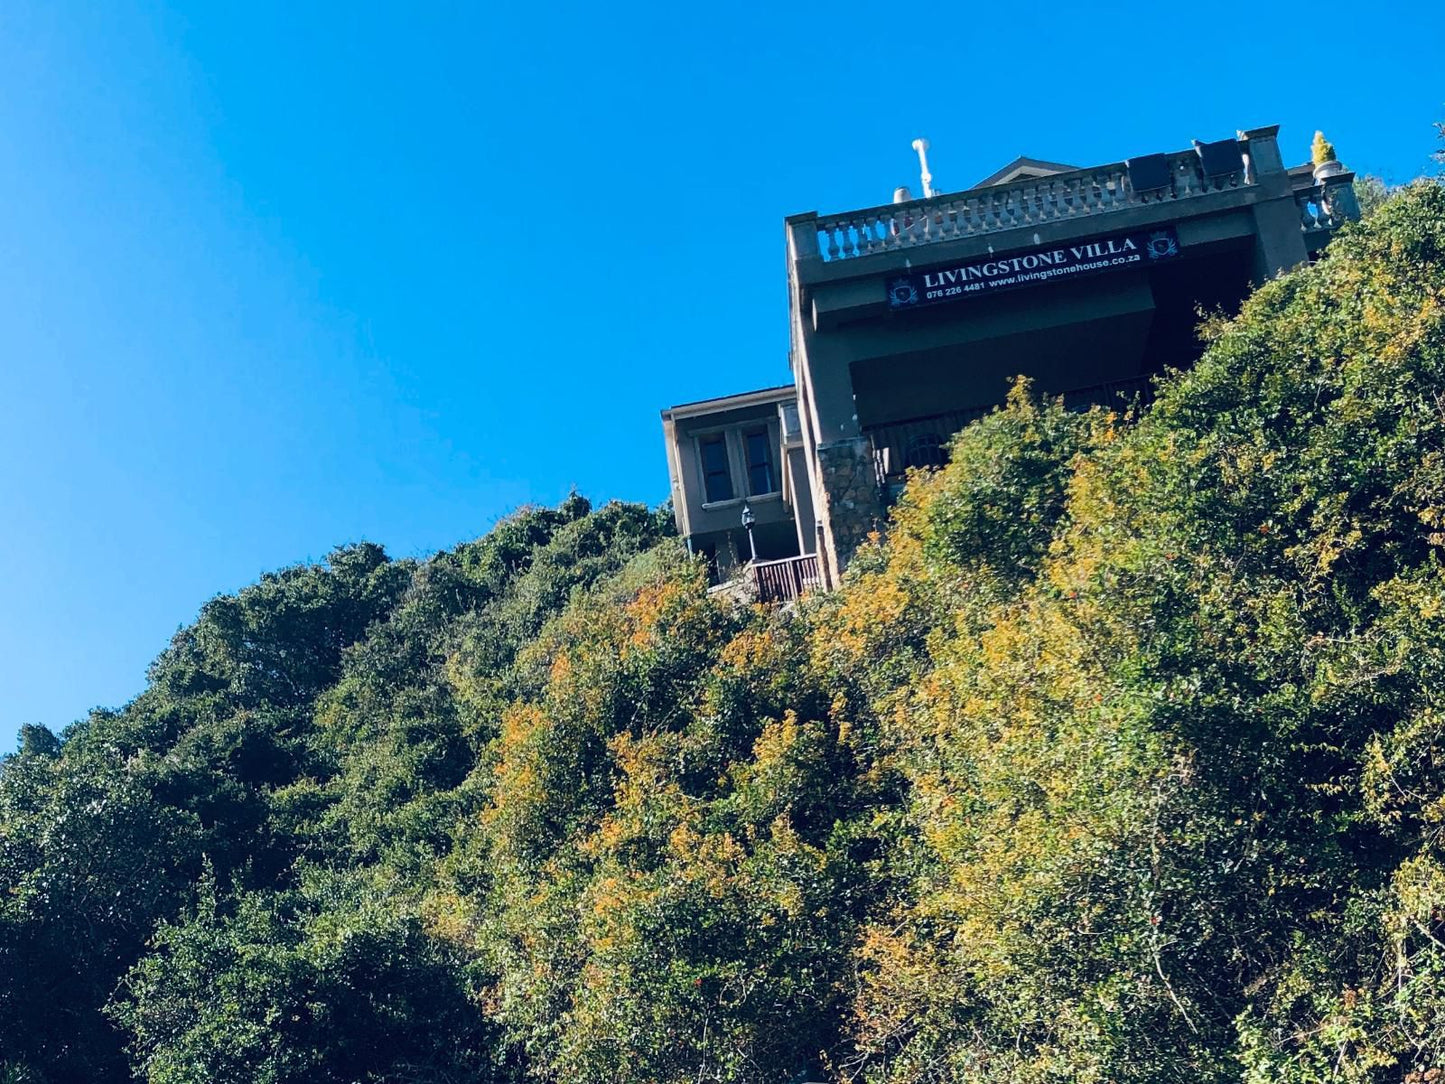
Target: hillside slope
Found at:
1118, 758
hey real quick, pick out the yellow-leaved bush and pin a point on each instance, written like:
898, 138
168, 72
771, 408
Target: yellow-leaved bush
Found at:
1109, 760
1118, 756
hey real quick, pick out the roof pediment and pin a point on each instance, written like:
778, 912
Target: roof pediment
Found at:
1022, 167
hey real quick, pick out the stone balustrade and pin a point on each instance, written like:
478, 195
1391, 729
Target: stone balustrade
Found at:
1327, 204
1033, 201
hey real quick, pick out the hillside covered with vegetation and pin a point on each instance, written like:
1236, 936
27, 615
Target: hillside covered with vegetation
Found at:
1120, 757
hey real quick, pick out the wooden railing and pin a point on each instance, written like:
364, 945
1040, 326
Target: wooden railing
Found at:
785, 580
923, 442
918, 442
1112, 393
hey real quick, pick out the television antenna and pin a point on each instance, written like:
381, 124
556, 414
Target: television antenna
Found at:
921, 146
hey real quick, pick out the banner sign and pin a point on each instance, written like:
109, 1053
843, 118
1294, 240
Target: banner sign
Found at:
989, 273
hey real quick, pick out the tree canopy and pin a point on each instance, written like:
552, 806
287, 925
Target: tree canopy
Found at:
1117, 757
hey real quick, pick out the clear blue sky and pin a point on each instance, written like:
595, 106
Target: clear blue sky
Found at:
278, 276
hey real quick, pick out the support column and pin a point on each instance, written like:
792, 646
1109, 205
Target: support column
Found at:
846, 497
1279, 244
801, 485
852, 503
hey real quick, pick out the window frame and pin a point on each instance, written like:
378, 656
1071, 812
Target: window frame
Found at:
733, 435
745, 433
703, 440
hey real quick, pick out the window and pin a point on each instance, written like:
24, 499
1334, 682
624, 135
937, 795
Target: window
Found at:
717, 479
926, 450
760, 462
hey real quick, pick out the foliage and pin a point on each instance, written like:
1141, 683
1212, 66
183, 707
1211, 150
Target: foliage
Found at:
308, 720
1322, 150
330, 982
1160, 791
1116, 758
673, 873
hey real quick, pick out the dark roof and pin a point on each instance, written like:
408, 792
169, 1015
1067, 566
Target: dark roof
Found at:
723, 402
1021, 162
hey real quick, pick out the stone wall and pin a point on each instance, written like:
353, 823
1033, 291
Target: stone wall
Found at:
851, 503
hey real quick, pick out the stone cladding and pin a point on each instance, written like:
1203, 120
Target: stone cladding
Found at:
852, 505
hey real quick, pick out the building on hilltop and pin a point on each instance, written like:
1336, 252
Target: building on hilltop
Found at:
910, 319
740, 451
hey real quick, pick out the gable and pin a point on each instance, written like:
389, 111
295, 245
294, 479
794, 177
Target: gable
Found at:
1021, 168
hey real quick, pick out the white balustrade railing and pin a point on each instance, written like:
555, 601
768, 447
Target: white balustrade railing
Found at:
1033, 201
1321, 206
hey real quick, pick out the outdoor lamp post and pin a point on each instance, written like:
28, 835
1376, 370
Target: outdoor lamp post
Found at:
748, 520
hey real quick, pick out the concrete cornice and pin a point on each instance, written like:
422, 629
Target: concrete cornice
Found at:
741, 401
1142, 216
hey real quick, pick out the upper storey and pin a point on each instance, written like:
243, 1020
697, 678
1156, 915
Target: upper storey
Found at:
1139, 192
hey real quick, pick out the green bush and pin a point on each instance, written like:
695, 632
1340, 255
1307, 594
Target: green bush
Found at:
1116, 758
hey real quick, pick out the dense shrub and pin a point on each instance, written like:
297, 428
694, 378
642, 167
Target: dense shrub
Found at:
1117, 757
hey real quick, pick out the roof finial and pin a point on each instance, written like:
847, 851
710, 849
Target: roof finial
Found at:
921, 146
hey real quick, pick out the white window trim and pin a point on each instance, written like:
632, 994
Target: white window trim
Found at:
774, 440
728, 448
736, 446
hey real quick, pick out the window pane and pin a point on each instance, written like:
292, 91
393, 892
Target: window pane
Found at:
717, 479
714, 454
760, 463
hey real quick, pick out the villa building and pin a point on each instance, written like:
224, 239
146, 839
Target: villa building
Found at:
741, 450
908, 320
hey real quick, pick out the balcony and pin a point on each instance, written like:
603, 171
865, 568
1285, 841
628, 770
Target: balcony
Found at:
923, 442
786, 580
1327, 204
1095, 193
1083, 193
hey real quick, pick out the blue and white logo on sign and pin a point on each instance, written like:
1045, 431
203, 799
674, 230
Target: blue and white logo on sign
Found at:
901, 292
1162, 245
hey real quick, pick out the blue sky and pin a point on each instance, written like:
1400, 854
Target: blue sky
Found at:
279, 276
